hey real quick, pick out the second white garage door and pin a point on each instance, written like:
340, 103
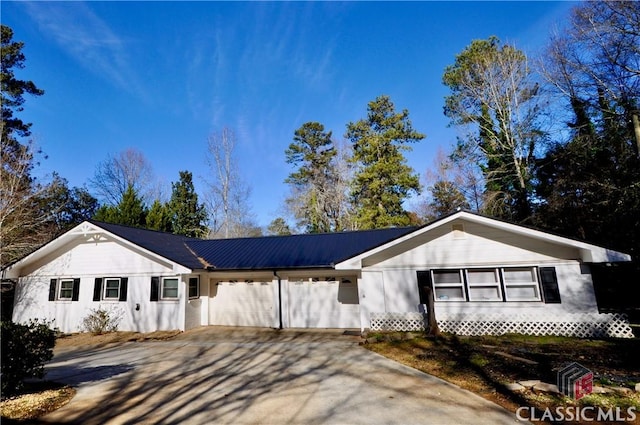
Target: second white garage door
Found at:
323, 303
242, 303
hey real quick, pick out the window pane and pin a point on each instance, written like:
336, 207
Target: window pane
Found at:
66, 289
482, 276
483, 293
444, 294
193, 287
522, 293
446, 276
112, 288
519, 275
170, 288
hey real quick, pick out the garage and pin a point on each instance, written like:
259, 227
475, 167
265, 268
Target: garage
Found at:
323, 303
243, 303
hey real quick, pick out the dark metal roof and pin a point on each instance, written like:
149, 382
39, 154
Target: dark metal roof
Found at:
290, 252
320, 250
170, 246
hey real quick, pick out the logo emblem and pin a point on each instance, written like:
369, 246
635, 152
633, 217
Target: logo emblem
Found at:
575, 381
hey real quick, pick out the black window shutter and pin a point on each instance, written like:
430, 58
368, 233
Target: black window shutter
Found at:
97, 289
123, 288
76, 290
155, 288
549, 281
424, 285
53, 283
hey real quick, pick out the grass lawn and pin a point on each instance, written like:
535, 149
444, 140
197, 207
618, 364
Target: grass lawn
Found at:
485, 365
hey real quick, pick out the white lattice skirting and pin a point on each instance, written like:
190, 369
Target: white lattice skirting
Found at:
577, 325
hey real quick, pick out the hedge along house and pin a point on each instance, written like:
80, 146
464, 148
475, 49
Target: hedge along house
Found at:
488, 277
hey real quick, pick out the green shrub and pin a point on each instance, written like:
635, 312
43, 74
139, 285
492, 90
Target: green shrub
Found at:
101, 321
25, 349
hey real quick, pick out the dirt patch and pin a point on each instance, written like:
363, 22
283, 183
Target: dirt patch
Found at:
36, 400
88, 339
486, 365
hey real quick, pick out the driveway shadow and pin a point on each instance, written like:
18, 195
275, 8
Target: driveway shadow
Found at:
263, 377
77, 375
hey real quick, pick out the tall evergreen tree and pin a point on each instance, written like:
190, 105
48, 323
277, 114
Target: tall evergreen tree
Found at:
383, 180
23, 226
188, 216
66, 206
318, 186
159, 217
131, 210
13, 91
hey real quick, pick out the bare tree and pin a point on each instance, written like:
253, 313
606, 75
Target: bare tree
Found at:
595, 62
24, 223
449, 186
493, 92
125, 169
228, 194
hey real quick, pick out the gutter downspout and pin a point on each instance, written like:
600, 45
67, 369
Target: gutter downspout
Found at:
275, 273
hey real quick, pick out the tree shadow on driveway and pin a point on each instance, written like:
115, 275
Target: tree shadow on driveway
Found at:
262, 377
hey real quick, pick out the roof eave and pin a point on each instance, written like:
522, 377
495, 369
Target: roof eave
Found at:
588, 252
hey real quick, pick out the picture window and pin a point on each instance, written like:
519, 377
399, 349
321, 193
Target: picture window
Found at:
486, 284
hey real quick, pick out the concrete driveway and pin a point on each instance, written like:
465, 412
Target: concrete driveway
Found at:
257, 376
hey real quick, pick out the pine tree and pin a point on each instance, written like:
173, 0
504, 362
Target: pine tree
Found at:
383, 180
188, 216
159, 217
318, 187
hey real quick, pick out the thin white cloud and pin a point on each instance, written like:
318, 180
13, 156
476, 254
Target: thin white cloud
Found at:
86, 38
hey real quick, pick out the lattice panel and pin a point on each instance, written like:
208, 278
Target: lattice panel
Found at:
576, 325
405, 322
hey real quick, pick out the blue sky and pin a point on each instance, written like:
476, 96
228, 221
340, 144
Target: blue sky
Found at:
162, 76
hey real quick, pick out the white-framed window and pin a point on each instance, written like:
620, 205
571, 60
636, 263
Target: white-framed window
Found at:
448, 285
194, 287
170, 288
65, 289
111, 288
521, 284
484, 285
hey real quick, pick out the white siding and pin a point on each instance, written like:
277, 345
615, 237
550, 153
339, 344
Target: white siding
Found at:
479, 245
372, 295
87, 261
393, 272
109, 257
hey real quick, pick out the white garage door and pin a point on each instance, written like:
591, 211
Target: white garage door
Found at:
323, 303
242, 303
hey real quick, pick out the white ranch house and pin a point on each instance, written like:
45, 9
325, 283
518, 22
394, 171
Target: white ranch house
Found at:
488, 277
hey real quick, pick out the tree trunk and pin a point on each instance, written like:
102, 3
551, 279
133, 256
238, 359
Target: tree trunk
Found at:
432, 323
636, 130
